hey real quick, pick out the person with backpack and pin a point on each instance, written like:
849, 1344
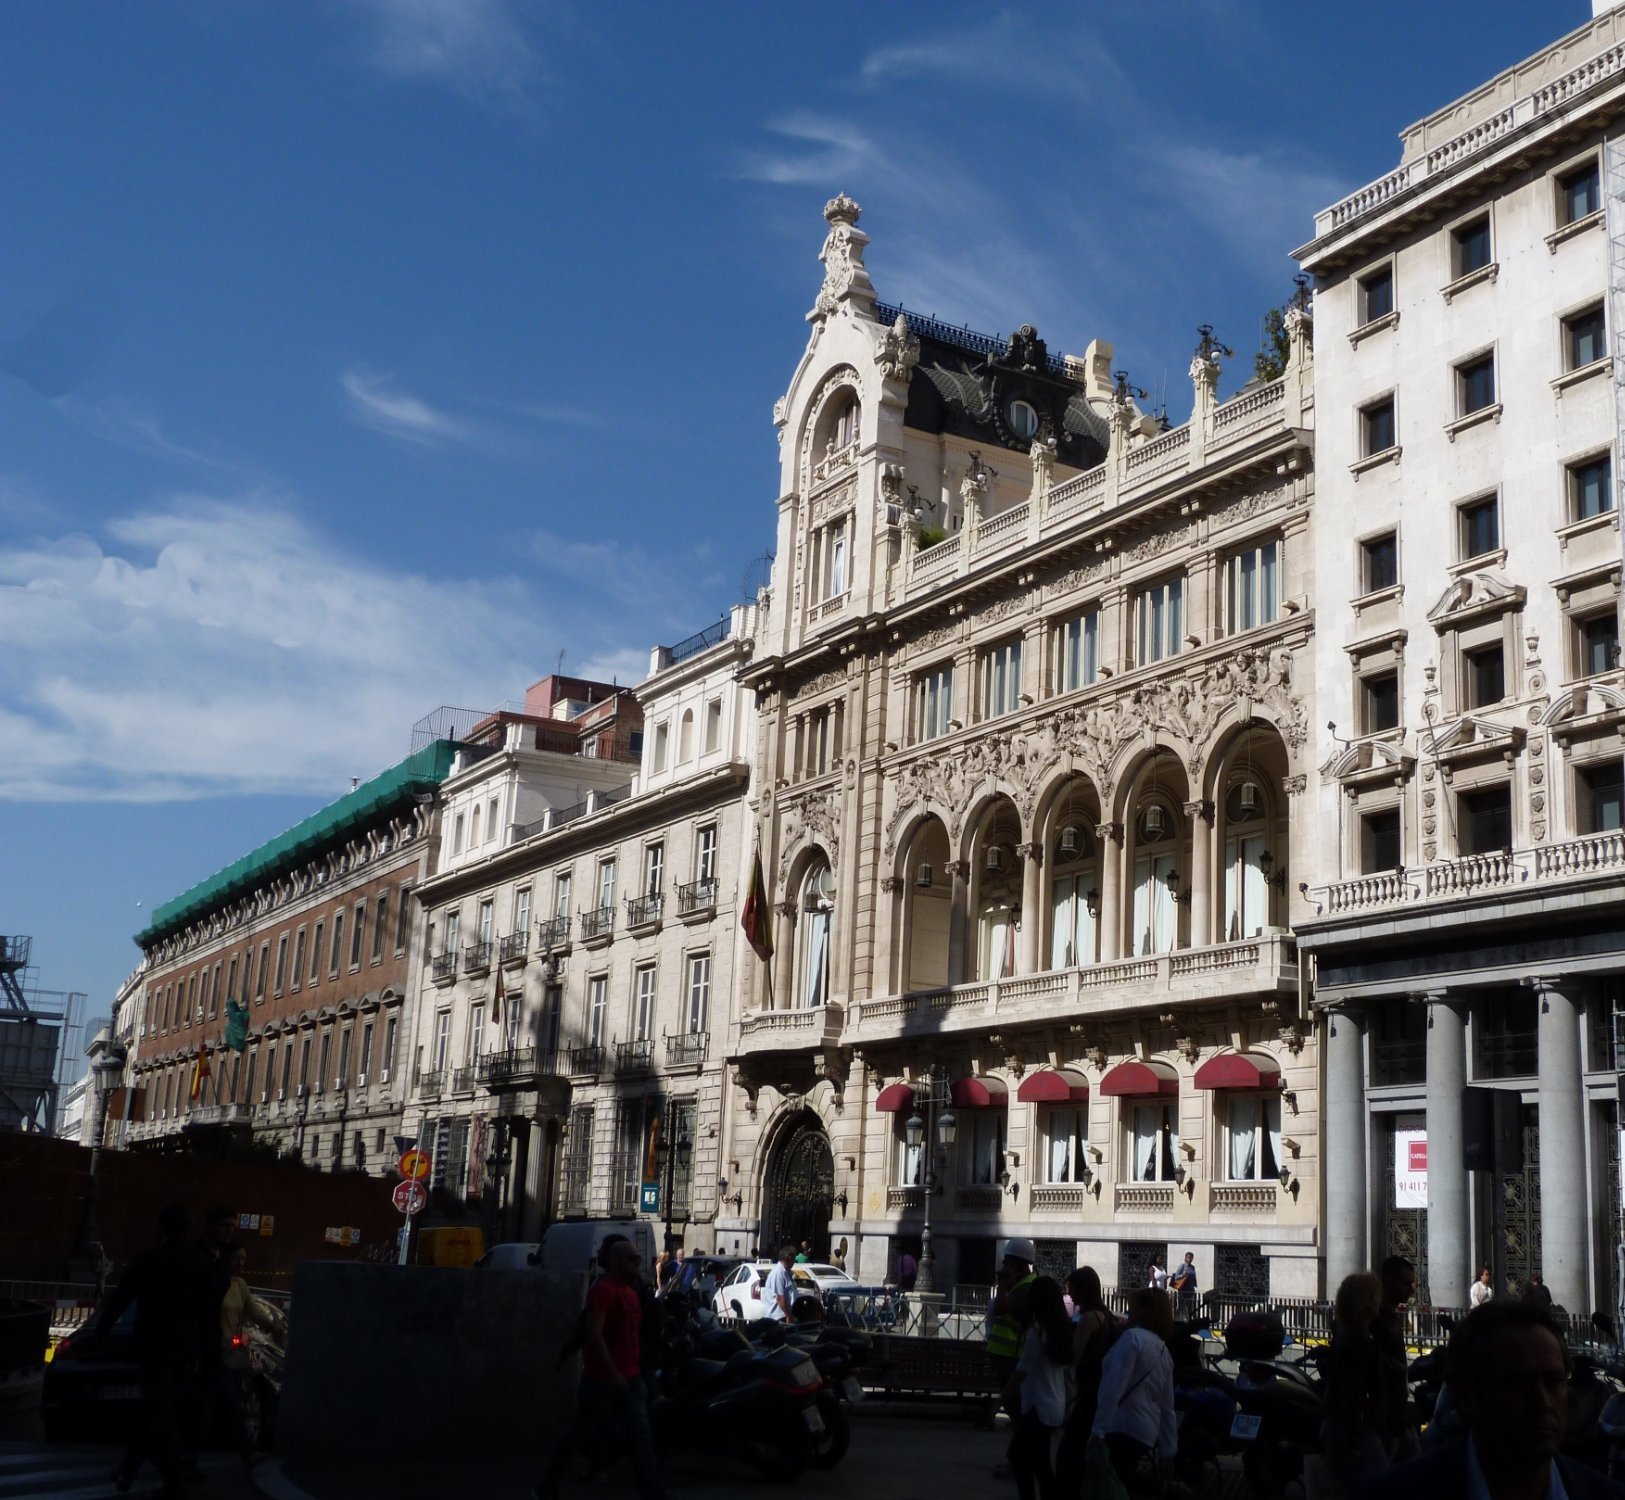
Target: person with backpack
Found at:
1135, 1417
1037, 1397
1094, 1331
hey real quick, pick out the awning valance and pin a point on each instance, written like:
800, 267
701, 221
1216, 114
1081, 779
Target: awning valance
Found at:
980, 1093
1054, 1086
1135, 1080
1239, 1070
894, 1099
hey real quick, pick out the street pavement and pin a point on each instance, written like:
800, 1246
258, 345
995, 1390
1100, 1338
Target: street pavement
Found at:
34, 1470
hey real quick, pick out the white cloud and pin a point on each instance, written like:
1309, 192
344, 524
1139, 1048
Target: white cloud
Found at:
1260, 204
211, 646
132, 425
477, 47
398, 413
838, 150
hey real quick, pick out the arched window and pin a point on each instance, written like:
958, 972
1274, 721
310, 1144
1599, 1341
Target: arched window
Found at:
1074, 896
817, 922
1156, 877
685, 737
844, 429
1246, 887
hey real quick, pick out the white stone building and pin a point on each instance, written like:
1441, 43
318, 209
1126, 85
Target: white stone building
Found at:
1468, 902
600, 894
1028, 784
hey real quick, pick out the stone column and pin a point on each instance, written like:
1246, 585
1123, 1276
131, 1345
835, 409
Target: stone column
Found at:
1032, 906
1563, 1198
779, 973
1201, 886
958, 918
1348, 1215
1448, 1254
1110, 837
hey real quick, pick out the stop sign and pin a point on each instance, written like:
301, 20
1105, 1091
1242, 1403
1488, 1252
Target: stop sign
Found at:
409, 1197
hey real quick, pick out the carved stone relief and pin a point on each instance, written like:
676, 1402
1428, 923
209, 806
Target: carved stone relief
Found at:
814, 817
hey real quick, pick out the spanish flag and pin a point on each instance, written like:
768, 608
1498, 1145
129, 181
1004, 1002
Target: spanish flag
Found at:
755, 918
200, 1071
496, 999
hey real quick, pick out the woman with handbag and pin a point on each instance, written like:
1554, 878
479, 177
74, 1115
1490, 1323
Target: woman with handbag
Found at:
1135, 1417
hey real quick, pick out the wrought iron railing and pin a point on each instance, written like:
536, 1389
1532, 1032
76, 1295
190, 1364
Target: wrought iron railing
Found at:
702, 640
696, 896
462, 1080
584, 1060
443, 966
517, 1065
634, 1057
477, 957
643, 909
513, 948
553, 934
430, 1085
597, 923
686, 1049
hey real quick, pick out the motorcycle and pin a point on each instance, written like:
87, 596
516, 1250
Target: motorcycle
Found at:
1280, 1404
836, 1352
1204, 1402
715, 1390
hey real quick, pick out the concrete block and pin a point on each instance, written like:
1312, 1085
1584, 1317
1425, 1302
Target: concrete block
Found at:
384, 1360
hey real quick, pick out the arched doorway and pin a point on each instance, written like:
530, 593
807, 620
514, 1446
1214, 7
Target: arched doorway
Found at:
800, 1189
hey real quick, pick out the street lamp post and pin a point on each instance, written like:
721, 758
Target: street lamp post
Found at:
680, 1148
939, 1127
496, 1167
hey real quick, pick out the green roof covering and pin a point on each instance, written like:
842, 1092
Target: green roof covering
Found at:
370, 801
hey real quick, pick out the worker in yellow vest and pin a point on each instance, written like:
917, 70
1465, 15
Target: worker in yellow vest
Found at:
1008, 1317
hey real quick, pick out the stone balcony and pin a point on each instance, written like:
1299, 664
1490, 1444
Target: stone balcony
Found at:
1252, 966
767, 1031
1478, 876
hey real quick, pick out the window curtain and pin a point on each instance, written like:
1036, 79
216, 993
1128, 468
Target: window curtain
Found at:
1272, 1138
1146, 1131
913, 1165
1243, 1120
1155, 910
817, 986
987, 1147
998, 937
1063, 920
1065, 1144
1246, 892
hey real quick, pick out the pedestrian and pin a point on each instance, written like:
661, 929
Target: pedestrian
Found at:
837, 1256
1535, 1290
780, 1290
1038, 1397
240, 1308
220, 1389
908, 1270
1398, 1277
1351, 1435
662, 1262
1007, 1322
804, 1253
1183, 1284
1093, 1333
612, 1401
1135, 1415
176, 1325
1157, 1272
1481, 1291
1509, 1368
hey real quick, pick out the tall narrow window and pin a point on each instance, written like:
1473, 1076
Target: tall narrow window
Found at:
1001, 679
1379, 842
403, 919
298, 957
366, 1052
654, 868
713, 724
1161, 612
835, 543
281, 962
357, 935
521, 911
698, 1012
1253, 1132
1066, 1145
705, 855
316, 951
380, 925
933, 702
597, 1008
551, 1019
606, 884
1579, 193
1078, 651
488, 921
1590, 487
643, 1004
1154, 1142
1600, 797
259, 981
1156, 911
1585, 338
1253, 580
338, 942
442, 1041
387, 1060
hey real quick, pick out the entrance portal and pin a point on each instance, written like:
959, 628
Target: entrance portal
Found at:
800, 1189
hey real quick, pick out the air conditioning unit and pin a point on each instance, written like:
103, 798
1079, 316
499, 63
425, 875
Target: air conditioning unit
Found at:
301, 1091
361, 1080
383, 1075
281, 1094
265, 1098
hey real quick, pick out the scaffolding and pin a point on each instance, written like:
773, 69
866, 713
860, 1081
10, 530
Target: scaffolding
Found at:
39, 1039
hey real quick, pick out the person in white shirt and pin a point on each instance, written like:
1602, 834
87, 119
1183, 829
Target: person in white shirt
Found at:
1135, 1416
1481, 1291
1157, 1275
1039, 1398
780, 1289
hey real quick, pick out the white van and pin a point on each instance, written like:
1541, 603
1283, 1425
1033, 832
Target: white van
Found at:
574, 1245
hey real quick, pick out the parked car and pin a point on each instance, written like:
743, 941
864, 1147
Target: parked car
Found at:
701, 1276
741, 1294
513, 1255
573, 1245
95, 1388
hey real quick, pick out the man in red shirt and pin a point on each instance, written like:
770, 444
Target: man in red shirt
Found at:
612, 1413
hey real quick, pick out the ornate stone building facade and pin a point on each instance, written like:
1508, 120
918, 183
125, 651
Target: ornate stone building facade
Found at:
1468, 900
314, 933
1034, 707
579, 951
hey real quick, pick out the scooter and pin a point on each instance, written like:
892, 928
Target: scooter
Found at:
1204, 1402
1281, 1406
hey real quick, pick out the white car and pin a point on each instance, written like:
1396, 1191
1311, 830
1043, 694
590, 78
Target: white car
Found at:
741, 1294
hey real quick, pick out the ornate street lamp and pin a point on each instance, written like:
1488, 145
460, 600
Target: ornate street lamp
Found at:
940, 1127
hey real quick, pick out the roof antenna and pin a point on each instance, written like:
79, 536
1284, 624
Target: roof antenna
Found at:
558, 666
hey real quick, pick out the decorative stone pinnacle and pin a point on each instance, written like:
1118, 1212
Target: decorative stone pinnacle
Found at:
842, 210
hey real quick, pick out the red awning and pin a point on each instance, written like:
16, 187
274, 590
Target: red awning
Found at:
1135, 1080
894, 1099
980, 1093
1054, 1086
1239, 1070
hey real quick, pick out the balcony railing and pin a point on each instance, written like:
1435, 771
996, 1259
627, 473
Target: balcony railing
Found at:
443, 967
597, 923
696, 896
513, 948
477, 958
552, 934
462, 1080
643, 910
1144, 1197
905, 1199
1058, 1198
688, 1048
584, 1061
983, 1198
517, 1066
634, 1057
431, 1085
1243, 1197
576, 1178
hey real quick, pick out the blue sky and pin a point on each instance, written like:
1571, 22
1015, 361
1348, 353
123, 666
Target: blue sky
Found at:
359, 356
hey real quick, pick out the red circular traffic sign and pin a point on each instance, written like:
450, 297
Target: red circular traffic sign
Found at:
409, 1197
414, 1164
